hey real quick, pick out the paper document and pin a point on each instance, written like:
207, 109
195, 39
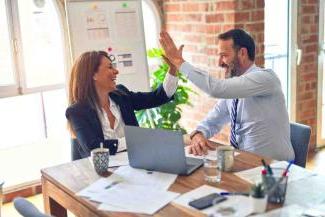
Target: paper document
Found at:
119, 159
295, 172
287, 211
187, 154
97, 187
306, 192
134, 176
239, 205
134, 198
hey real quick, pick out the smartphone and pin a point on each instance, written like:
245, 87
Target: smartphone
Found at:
207, 201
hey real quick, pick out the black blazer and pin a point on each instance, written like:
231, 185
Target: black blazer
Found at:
86, 124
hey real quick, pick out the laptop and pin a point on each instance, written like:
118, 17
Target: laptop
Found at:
158, 150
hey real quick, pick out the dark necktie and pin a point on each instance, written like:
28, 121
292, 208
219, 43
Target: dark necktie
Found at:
233, 114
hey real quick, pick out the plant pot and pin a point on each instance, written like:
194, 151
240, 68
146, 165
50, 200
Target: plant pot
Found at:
258, 204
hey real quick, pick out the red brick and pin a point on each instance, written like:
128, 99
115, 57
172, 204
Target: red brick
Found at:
199, 28
307, 9
215, 18
246, 4
192, 17
307, 19
172, 7
310, 38
189, 7
174, 18
312, 2
226, 5
311, 48
309, 76
255, 27
257, 15
229, 17
260, 4
242, 16
193, 38
214, 29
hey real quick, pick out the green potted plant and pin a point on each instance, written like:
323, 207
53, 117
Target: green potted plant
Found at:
168, 115
258, 198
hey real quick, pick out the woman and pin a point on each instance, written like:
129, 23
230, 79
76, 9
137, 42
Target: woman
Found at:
99, 109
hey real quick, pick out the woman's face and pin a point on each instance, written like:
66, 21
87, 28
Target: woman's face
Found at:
105, 77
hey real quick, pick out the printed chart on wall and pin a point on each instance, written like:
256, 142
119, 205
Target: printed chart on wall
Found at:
116, 27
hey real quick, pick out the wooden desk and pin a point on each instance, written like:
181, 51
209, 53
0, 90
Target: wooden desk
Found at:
60, 183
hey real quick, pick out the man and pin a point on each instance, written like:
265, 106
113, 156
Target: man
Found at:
251, 100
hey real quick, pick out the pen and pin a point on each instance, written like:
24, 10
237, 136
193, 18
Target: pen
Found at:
234, 193
112, 184
287, 169
267, 167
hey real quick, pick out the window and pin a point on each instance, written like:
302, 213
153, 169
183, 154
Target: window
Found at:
7, 76
321, 79
152, 27
276, 45
32, 94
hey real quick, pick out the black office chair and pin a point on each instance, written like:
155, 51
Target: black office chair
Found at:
27, 209
300, 136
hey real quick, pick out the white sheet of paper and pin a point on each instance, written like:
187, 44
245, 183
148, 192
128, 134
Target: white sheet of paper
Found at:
134, 198
119, 159
295, 172
143, 177
96, 187
187, 154
287, 211
306, 192
240, 204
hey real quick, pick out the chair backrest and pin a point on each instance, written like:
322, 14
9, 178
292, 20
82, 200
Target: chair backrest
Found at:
27, 209
300, 136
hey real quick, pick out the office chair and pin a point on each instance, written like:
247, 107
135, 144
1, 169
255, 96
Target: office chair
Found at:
300, 136
27, 209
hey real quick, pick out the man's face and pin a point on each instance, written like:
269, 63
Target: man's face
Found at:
228, 57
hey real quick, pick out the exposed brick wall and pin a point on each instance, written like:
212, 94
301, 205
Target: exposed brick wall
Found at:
307, 28
196, 24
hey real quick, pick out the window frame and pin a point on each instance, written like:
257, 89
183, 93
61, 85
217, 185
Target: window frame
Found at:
15, 36
320, 78
13, 89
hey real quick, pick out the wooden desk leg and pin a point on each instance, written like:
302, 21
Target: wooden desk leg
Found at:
50, 205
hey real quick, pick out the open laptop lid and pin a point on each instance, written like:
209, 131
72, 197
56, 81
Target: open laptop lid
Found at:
155, 149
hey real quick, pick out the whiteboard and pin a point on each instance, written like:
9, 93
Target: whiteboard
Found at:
113, 26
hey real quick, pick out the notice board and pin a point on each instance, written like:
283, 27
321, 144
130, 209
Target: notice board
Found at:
116, 27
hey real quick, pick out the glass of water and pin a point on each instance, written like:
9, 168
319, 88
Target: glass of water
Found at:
212, 170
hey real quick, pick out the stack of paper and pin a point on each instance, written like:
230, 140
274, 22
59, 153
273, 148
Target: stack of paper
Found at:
132, 190
240, 206
296, 211
295, 172
287, 211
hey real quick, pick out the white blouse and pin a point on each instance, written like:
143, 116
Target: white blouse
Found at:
169, 85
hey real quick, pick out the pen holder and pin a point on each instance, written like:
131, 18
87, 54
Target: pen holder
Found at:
276, 186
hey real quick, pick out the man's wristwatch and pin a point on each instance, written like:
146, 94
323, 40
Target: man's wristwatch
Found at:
194, 133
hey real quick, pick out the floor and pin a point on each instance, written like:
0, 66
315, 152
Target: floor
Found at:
316, 162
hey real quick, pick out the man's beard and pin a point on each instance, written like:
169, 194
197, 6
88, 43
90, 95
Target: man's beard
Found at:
232, 69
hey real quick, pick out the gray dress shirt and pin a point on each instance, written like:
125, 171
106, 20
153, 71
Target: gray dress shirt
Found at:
262, 124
